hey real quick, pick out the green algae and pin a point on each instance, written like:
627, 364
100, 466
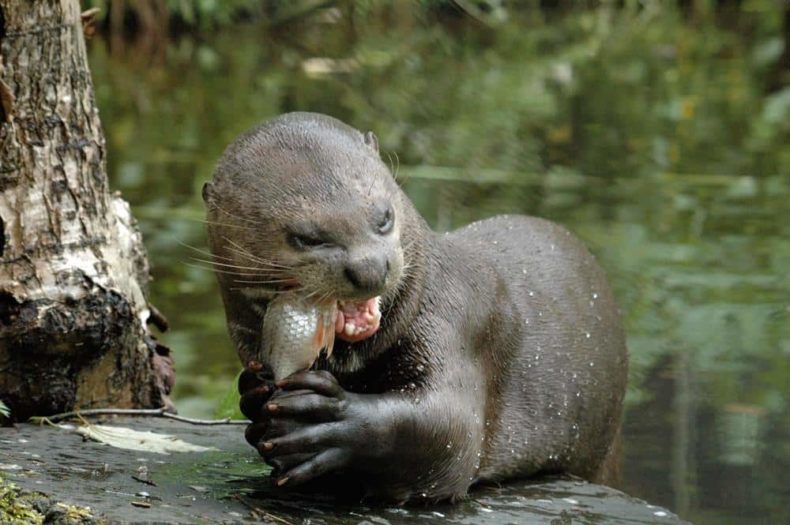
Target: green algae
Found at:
34, 508
217, 472
16, 507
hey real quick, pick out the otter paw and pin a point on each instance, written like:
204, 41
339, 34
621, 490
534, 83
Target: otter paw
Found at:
256, 386
313, 419
315, 467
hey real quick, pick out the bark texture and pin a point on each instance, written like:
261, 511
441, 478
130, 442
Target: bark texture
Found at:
73, 270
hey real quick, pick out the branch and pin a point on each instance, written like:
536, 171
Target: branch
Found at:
151, 412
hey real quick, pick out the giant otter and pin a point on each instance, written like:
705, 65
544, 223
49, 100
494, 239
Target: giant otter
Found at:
500, 351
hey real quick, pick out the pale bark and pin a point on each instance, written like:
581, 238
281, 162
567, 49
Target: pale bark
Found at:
73, 270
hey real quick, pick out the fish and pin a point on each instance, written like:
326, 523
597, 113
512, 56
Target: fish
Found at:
294, 331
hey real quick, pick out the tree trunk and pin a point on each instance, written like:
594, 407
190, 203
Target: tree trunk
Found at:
73, 271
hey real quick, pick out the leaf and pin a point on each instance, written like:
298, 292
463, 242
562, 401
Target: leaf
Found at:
228, 406
126, 438
4, 410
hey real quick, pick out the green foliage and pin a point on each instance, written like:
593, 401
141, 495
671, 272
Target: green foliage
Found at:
657, 135
208, 13
552, 117
228, 406
196, 14
4, 410
14, 509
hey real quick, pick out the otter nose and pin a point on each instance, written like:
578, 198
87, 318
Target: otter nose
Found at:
368, 274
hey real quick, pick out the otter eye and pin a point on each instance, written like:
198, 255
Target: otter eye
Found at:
387, 222
305, 242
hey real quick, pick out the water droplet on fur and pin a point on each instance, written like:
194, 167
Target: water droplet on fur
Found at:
587, 335
531, 293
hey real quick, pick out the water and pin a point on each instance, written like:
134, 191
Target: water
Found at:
660, 142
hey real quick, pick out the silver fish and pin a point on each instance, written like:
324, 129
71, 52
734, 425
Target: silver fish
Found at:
294, 332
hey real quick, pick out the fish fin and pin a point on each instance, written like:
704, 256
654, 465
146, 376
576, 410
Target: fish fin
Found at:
329, 341
325, 335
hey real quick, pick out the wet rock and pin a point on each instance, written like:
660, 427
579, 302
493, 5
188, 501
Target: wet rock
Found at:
231, 485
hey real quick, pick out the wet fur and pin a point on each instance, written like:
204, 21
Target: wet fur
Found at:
500, 353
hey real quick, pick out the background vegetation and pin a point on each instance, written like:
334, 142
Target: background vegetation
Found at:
657, 131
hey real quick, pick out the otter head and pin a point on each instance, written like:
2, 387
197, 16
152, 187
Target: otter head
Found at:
304, 203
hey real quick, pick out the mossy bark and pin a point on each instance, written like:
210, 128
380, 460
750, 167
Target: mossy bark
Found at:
73, 271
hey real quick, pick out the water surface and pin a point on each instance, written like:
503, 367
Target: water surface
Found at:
659, 141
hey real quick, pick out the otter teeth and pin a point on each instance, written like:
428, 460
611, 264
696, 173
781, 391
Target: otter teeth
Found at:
357, 317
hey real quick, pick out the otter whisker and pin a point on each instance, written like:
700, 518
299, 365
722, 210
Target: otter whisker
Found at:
263, 281
396, 173
312, 294
246, 253
268, 291
224, 272
227, 265
238, 273
321, 294
235, 216
370, 188
237, 270
326, 296
202, 251
225, 224
269, 266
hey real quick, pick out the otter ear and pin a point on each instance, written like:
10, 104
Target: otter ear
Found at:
371, 141
208, 191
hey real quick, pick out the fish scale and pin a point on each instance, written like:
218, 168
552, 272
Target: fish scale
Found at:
294, 331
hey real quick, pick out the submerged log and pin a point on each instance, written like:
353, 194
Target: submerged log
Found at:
73, 271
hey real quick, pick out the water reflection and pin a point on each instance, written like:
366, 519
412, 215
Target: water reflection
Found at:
654, 141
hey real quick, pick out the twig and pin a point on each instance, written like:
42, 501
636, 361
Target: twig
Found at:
153, 412
259, 512
143, 480
224, 421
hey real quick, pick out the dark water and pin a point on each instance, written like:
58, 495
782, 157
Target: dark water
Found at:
659, 140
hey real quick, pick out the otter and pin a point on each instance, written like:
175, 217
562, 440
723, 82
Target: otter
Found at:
499, 352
